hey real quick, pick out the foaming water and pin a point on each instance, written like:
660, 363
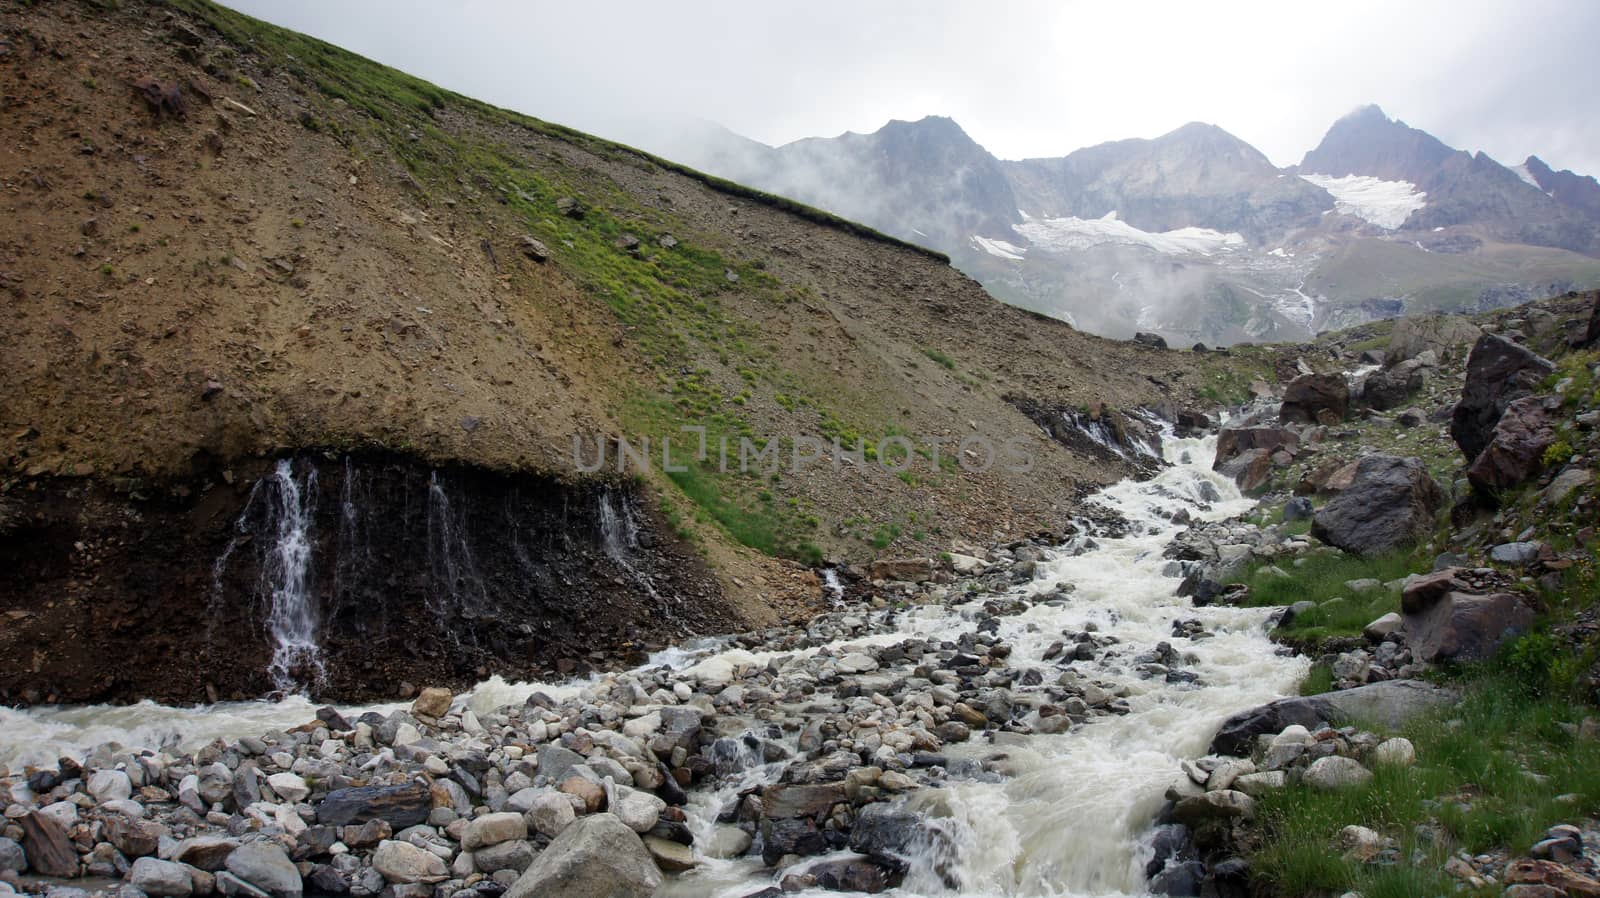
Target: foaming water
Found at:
1069, 821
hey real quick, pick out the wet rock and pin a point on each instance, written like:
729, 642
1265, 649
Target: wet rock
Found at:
1336, 772
1309, 398
844, 875
1516, 447
670, 856
1235, 441
596, 857
403, 862
1498, 373
1222, 804
267, 867
1391, 503
1250, 469
161, 878
400, 806
1465, 627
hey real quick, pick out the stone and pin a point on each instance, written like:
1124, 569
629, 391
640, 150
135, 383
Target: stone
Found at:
1565, 483
1391, 503
856, 663
1250, 470
109, 785
492, 829
1385, 390
1444, 335
1548, 873
1360, 844
535, 250
1145, 338
669, 855
266, 866
1235, 441
554, 762
1383, 627
207, 853
1307, 396
290, 787
551, 813
433, 702
638, 810
161, 878
1298, 509
400, 806
1498, 373
1516, 553
1390, 703
134, 838
1465, 627
1516, 447
1336, 772
910, 570
403, 862
12, 857
596, 857
1261, 783
727, 842
847, 874
50, 852
517, 855
1396, 752
1222, 804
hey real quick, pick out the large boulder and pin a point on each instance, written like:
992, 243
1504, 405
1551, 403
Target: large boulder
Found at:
1499, 372
163, 879
1461, 626
596, 857
1444, 334
793, 818
1315, 398
1233, 442
911, 570
1389, 704
1389, 389
1250, 469
1391, 503
1516, 449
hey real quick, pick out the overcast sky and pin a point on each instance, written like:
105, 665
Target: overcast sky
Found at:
1024, 79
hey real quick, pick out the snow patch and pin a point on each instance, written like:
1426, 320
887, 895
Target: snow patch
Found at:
1279, 252
1527, 176
1063, 234
1386, 204
999, 248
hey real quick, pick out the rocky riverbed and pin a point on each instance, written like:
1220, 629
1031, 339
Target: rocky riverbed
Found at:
1008, 725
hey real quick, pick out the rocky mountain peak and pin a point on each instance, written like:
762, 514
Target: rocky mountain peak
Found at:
1368, 142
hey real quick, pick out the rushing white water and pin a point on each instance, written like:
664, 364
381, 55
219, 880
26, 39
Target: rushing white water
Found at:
1070, 818
1069, 821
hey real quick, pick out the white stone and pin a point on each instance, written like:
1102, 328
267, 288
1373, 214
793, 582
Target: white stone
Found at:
856, 662
638, 810
289, 786
109, 785
1398, 752
550, 813
404, 862
161, 878
492, 829
1336, 772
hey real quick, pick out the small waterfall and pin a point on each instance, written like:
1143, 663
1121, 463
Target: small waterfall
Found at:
292, 618
456, 586
831, 587
619, 537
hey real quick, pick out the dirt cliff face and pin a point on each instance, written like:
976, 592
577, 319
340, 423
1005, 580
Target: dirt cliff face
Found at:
222, 243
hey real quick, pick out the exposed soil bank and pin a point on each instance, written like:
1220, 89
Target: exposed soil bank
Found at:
419, 574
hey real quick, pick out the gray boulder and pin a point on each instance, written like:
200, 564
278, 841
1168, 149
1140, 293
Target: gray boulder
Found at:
266, 866
11, 856
1443, 334
1498, 373
598, 856
1315, 398
1389, 504
161, 878
1460, 626
1516, 447
1388, 704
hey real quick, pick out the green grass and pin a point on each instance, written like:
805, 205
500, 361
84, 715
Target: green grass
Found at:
1494, 771
940, 358
1320, 578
